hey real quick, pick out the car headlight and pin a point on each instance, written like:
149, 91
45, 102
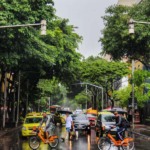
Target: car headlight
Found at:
107, 127
24, 128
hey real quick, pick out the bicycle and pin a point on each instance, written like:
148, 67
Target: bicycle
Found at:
105, 143
34, 141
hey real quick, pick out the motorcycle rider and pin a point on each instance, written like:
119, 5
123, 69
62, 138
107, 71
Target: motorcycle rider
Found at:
119, 124
49, 125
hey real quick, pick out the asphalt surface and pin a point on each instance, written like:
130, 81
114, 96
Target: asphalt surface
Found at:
141, 134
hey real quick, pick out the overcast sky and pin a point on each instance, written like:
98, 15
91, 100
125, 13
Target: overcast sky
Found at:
86, 15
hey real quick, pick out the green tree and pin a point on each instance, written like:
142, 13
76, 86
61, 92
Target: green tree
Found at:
116, 40
34, 55
51, 89
121, 96
102, 73
82, 99
141, 90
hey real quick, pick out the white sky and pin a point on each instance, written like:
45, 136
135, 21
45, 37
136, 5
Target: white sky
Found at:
86, 15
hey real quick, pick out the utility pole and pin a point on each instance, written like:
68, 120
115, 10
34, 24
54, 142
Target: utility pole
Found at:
131, 31
5, 99
93, 85
86, 95
14, 102
27, 96
17, 119
133, 102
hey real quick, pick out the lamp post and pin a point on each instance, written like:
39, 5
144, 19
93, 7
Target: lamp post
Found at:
99, 87
18, 101
132, 22
42, 24
5, 99
131, 31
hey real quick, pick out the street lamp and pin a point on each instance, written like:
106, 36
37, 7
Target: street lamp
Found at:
42, 24
131, 26
99, 87
132, 22
131, 31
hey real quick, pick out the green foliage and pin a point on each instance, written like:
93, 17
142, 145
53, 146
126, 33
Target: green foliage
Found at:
51, 88
101, 72
81, 98
116, 39
140, 77
36, 56
141, 89
121, 96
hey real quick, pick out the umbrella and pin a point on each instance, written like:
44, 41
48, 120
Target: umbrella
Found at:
119, 110
64, 111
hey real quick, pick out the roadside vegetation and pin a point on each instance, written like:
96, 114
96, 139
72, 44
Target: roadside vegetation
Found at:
50, 68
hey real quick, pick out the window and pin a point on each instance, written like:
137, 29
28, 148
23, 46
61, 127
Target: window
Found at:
33, 120
108, 118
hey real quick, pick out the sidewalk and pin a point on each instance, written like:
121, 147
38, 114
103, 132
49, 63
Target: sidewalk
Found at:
142, 129
8, 130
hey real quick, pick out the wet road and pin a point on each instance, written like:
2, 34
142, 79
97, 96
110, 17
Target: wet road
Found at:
85, 142
15, 142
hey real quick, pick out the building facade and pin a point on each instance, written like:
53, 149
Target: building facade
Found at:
128, 2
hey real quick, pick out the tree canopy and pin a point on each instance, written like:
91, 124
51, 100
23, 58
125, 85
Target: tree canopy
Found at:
99, 72
116, 39
141, 90
37, 56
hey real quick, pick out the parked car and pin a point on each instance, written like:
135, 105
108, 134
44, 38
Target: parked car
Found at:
81, 123
92, 118
104, 121
31, 120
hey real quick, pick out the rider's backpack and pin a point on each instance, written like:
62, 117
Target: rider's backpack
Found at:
125, 123
52, 119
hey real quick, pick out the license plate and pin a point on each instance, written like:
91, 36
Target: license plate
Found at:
80, 126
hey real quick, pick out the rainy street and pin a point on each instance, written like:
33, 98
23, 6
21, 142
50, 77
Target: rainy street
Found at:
14, 141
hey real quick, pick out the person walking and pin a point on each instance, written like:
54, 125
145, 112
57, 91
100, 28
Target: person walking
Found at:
69, 125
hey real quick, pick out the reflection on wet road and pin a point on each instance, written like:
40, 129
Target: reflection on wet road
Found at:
84, 142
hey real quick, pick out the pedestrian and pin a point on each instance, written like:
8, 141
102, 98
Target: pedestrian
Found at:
69, 126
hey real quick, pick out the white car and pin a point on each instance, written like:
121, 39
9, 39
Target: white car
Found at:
78, 111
